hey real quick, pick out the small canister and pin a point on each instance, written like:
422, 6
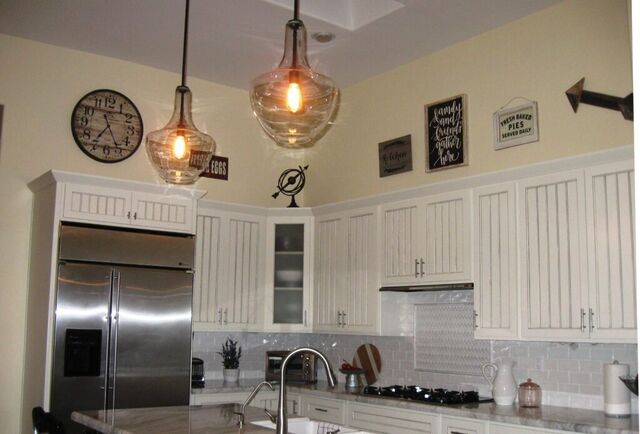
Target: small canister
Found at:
529, 394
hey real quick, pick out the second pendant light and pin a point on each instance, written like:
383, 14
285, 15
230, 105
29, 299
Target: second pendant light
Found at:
294, 103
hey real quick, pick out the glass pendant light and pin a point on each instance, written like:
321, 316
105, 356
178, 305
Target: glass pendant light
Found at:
180, 152
294, 103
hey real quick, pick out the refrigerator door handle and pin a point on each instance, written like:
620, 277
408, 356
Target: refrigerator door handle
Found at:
114, 332
107, 367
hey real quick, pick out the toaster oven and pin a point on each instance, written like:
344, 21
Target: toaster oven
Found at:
301, 369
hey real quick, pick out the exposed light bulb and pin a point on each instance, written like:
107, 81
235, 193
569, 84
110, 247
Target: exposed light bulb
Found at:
294, 97
179, 147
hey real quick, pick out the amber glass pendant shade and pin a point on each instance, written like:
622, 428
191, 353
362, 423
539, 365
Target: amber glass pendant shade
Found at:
293, 103
180, 152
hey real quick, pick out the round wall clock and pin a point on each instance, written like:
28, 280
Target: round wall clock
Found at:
107, 126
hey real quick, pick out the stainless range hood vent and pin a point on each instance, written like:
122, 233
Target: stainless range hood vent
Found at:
424, 288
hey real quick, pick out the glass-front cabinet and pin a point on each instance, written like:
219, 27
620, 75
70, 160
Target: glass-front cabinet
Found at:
289, 272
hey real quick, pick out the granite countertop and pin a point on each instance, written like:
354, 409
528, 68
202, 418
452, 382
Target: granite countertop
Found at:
549, 417
211, 419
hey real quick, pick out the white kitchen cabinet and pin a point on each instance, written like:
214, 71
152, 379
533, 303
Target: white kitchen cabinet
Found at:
456, 425
106, 205
495, 262
611, 253
499, 428
289, 272
553, 256
270, 402
427, 240
346, 297
324, 409
399, 233
329, 273
390, 420
228, 294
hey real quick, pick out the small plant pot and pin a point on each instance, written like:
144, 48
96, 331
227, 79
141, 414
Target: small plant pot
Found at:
231, 375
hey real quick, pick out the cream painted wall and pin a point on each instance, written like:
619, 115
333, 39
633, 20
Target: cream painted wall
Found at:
39, 86
538, 57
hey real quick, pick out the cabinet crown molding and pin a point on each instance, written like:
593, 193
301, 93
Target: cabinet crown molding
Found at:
60, 176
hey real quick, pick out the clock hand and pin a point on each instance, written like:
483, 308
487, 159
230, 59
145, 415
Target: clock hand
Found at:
99, 135
115, 142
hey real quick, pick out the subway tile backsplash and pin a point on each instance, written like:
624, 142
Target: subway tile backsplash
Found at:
570, 374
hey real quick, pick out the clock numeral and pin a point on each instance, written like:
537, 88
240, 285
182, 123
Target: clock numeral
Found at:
106, 150
88, 111
127, 142
111, 103
98, 102
86, 134
84, 121
130, 130
120, 108
129, 116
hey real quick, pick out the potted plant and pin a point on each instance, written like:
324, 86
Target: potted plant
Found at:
231, 354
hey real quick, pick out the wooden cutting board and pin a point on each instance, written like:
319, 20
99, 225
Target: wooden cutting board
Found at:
368, 357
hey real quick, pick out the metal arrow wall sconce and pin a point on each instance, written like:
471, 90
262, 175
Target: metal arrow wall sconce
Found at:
577, 95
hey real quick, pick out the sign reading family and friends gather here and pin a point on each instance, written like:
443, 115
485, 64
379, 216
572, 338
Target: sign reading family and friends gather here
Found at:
446, 131
516, 125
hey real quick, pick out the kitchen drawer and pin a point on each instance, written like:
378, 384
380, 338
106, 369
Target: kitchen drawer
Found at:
454, 425
324, 409
390, 420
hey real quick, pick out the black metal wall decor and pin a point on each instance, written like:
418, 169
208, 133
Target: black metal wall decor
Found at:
577, 95
290, 183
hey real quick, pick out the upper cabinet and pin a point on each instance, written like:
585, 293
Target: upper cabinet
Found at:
124, 207
495, 262
427, 240
289, 272
346, 298
611, 255
229, 269
553, 256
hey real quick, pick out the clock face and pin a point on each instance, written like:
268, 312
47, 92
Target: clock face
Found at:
107, 126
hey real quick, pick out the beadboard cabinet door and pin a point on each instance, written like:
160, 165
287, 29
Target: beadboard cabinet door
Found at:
495, 262
399, 233
346, 296
360, 311
208, 271
242, 295
610, 232
329, 273
162, 212
96, 204
445, 231
553, 256
228, 294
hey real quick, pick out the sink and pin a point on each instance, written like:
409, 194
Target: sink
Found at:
304, 425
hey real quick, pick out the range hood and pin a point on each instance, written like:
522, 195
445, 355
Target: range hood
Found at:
424, 288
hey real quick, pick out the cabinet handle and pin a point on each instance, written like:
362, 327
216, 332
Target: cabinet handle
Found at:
220, 316
225, 315
129, 215
339, 321
344, 318
321, 410
295, 404
583, 326
475, 319
135, 215
592, 324
305, 317
422, 267
417, 272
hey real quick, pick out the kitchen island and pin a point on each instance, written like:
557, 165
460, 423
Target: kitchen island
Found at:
213, 419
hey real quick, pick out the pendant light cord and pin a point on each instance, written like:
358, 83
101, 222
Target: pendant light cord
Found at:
184, 44
296, 9
296, 17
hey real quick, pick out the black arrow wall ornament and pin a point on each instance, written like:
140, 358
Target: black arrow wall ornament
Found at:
577, 95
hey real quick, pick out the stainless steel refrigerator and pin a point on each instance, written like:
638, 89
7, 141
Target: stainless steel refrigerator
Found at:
122, 321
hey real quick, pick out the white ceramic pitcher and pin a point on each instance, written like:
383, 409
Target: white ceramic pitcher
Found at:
503, 385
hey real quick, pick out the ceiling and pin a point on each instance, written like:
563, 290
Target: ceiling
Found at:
232, 41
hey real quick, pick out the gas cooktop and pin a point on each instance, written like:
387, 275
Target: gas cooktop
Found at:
425, 394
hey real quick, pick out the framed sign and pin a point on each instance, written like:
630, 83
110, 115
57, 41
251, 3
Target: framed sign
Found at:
446, 133
394, 156
218, 168
516, 125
